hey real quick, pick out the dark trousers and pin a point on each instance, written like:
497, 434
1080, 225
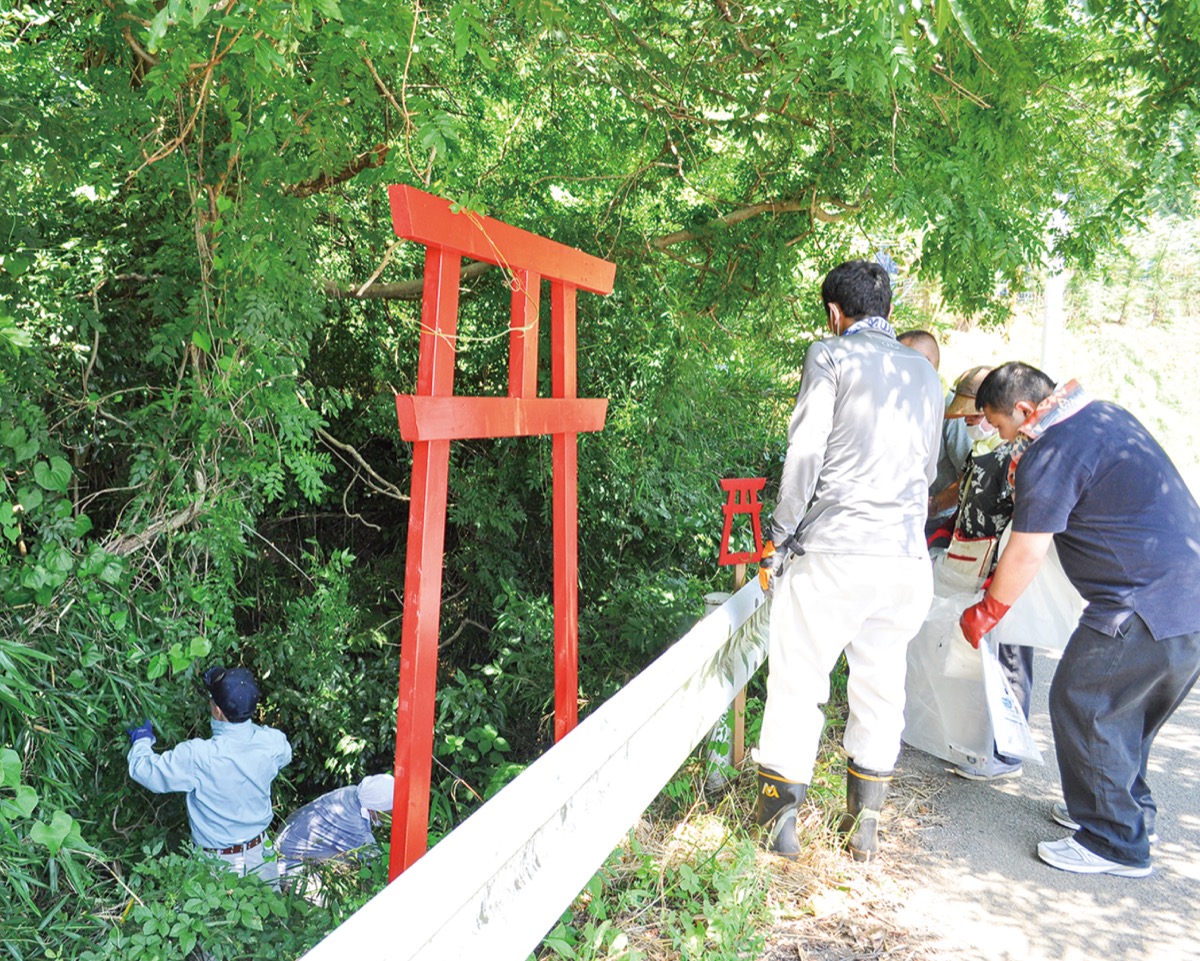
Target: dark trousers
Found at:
1109, 698
1016, 663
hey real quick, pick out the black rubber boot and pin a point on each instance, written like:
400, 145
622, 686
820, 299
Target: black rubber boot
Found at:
778, 802
865, 794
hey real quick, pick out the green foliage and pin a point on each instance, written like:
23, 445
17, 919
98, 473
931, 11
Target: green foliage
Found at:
199, 458
321, 664
48, 865
1153, 278
177, 904
709, 902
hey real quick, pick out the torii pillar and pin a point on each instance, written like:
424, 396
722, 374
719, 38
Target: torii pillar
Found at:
434, 417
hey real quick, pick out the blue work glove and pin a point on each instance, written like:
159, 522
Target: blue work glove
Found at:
139, 733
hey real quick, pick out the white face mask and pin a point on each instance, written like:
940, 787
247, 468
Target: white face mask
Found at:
981, 431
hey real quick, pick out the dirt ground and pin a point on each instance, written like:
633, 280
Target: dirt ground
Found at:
958, 877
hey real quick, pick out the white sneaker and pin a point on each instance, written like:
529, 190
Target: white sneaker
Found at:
986, 769
1060, 814
1069, 855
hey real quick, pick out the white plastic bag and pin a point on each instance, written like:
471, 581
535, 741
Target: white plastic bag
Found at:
1010, 729
945, 712
957, 657
1046, 613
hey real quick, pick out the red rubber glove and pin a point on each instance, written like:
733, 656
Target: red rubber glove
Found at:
980, 618
766, 566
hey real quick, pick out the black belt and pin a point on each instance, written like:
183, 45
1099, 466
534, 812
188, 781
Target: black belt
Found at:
238, 848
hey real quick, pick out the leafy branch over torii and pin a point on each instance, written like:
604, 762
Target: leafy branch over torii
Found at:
817, 208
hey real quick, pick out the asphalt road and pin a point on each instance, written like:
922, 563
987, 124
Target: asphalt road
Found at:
980, 893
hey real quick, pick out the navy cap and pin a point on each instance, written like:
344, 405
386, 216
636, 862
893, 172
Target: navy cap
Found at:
233, 690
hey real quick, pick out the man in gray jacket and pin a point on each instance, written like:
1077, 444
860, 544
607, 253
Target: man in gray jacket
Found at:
862, 450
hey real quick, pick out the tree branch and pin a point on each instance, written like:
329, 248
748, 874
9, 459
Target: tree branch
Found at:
133, 542
814, 206
405, 290
142, 55
380, 485
364, 161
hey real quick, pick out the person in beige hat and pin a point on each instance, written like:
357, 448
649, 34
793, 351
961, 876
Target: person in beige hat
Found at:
962, 404
960, 410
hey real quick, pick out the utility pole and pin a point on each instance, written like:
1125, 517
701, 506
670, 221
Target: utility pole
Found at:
1053, 315
1054, 296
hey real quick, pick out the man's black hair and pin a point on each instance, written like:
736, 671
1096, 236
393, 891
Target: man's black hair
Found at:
861, 288
1010, 383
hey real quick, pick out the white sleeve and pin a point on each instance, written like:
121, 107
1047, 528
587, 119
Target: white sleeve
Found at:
808, 437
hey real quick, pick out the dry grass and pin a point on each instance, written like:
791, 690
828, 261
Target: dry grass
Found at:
828, 907
822, 907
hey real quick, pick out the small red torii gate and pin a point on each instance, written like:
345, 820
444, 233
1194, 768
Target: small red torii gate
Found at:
434, 416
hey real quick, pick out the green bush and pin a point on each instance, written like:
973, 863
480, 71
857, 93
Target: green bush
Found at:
710, 905
48, 871
177, 903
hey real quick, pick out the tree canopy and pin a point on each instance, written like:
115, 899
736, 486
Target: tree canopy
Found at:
204, 314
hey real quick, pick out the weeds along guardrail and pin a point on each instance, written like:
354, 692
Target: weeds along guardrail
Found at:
500, 881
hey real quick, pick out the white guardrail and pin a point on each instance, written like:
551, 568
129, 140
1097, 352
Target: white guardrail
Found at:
502, 879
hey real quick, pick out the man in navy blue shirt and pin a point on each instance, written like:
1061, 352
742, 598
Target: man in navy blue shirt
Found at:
1089, 476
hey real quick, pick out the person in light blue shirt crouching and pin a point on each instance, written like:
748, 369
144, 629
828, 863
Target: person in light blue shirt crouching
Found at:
227, 777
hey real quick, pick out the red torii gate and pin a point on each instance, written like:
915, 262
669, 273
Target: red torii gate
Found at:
433, 417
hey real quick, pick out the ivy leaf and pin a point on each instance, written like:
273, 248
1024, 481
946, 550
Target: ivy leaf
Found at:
26, 451
14, 265
157, 667
52, 835
22, 447
53, 476
29, 498
23, 802
12, 436
10, 767
179, 658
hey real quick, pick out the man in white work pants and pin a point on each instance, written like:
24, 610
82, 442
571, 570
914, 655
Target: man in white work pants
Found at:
863, 445
824, 604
